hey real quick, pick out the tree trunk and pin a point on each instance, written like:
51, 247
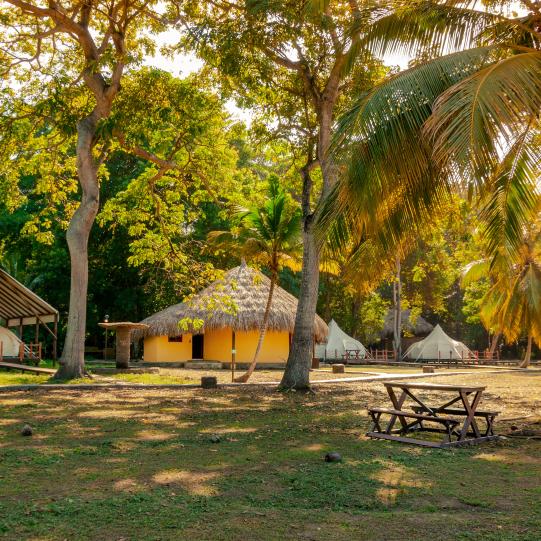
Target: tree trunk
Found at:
262, 331
494, 343
527, 357
297, 372
72, 360
397, 327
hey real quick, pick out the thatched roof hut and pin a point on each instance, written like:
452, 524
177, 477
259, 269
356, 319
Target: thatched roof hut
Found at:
421, 327
237, 301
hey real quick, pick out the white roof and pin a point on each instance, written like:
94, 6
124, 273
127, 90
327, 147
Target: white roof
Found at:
437, 345
338, 342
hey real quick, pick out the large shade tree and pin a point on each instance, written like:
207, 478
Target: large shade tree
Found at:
79, 49
296, 64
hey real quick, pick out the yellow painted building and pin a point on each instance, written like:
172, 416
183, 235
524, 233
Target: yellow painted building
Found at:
221, 324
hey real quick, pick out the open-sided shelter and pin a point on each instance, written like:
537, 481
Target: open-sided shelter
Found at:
20, 307
222, 323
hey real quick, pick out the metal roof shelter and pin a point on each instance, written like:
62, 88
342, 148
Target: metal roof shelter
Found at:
19, 307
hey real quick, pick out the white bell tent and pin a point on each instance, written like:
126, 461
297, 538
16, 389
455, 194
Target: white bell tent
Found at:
338, 342
437, 345
10, 344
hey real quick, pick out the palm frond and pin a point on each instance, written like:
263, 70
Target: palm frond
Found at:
482, 113
446, 27
512, 200
474, 271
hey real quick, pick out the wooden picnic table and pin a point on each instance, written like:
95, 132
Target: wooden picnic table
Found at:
459, 424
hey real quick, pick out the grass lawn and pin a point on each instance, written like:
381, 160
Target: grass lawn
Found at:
139, 465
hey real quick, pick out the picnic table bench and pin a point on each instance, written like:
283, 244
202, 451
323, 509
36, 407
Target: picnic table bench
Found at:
458, 425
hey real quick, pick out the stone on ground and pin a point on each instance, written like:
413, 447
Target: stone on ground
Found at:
333, 457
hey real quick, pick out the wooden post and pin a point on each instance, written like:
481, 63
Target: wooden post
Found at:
123, 348
1, 351
55, 339
233, 355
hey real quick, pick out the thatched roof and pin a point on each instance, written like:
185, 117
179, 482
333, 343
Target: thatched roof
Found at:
238, 302
421, 327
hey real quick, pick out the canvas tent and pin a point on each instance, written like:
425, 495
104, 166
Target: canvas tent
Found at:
338, 342
9, 343
437, 345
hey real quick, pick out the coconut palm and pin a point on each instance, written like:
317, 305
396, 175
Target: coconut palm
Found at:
464, 116
512, 305
270, 236
467, 119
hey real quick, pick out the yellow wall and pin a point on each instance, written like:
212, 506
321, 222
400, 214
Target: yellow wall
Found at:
218, 345
275, 348
159, 350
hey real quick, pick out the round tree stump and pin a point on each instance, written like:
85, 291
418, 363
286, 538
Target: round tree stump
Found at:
338, 368
209, 382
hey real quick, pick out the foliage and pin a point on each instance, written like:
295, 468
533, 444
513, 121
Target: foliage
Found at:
267, 234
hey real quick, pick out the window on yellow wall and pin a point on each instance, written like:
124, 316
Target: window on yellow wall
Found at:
174, 338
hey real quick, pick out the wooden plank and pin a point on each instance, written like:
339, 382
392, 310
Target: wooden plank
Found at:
434, 386
26, 368
433, 444
403, 439
457, 411
412, 415
470, 441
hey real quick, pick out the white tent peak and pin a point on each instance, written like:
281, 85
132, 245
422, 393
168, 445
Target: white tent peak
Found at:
338, 342
438, 345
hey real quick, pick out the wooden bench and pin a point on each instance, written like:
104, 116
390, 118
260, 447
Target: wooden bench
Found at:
26, 368
376, 413
488, 416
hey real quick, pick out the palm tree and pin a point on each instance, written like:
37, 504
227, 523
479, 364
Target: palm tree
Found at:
512, 305
270, 236
466, 119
